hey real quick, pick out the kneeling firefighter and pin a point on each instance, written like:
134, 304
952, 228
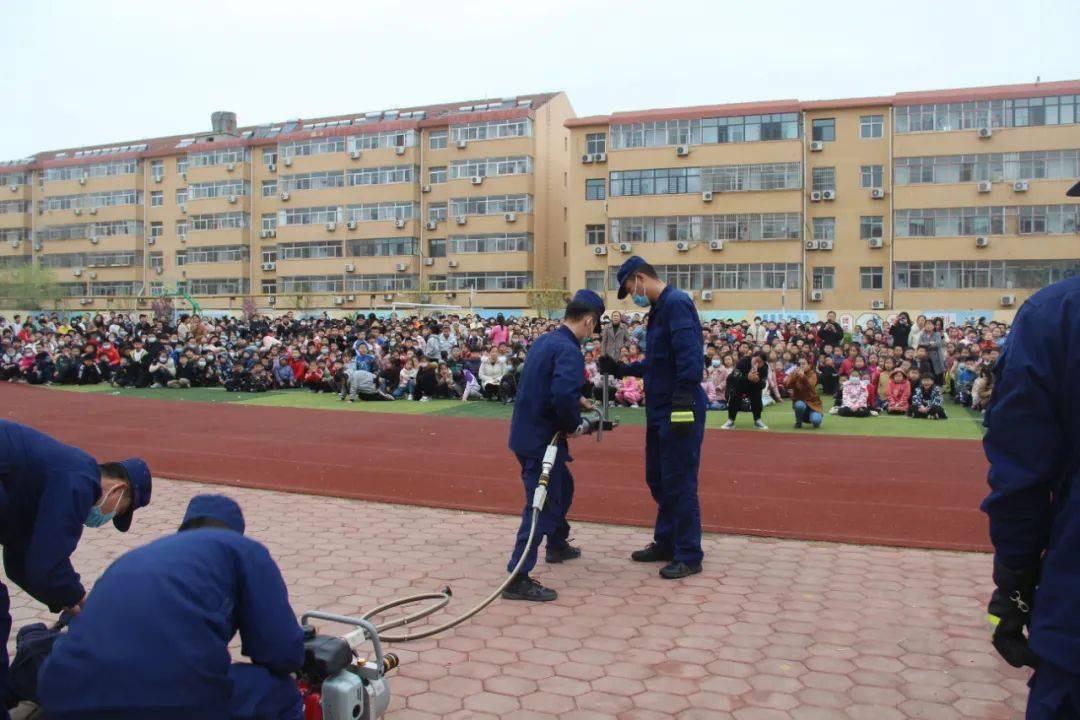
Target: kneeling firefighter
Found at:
152, 640
549, 401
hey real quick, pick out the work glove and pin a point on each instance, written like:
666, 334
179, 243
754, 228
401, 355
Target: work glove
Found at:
682, 413
608, 365
1010, 612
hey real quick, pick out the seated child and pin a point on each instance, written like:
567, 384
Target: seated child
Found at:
926, 401
714, 401
898, 394
982, 388
629, 392
855, 397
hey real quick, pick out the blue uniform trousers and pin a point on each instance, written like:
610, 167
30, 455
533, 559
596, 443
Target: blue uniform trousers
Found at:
671, 472
258, 694
1055, 694
552, 521
5, 630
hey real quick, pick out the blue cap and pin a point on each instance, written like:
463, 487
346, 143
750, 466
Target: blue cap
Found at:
138, 475
628, 268
588, 297
217, 507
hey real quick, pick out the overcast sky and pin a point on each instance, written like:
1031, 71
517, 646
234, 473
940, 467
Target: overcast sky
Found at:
84, 72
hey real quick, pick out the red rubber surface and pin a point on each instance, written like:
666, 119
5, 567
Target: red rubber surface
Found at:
888, 491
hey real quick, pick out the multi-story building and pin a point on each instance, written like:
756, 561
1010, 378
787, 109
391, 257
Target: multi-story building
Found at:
927, 200
434, 204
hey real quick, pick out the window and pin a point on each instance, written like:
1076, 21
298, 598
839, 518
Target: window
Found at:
995, 167
269, 188
218, 286
595, 235
871, 127
388, 175
437, 212
594, 280
181, 196
436, 247
313, 146
661, 181
309, 216
312, 181
157, 198
366, 212
871, 278
516, 165
966, 274
596, 143
383, 247
824, 228
320, 249
872, 176
950, 222
181, 258
437, 139
823, 178
436, 175
748, 128
269, 287
729, 276
157, 169
871, 226
385, 140
181, 165
268, 221
157, 261
114, 198
1022, 112
494, 130
380, 283
698, 228
823, 129
824, 278
494, 243
1053, 219
491, 205
499, 280
218, 189
742, 178
216, 254
157, 229
269, 254
219, 221
436, 283
181, 228
270, 156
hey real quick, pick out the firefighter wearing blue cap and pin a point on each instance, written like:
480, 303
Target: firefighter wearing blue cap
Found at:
153, 638
49, 492
1032, 442
674, 414
549, 401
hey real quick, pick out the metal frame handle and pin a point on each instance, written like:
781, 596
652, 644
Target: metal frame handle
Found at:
366, 630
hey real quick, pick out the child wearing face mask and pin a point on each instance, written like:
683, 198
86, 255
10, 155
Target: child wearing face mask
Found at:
711, 395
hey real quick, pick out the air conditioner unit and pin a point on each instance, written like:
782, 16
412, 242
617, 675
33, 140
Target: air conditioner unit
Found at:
877, 304
425, 188
510, 217
271, 300
350, 268
82, 181
626, 248
331, 226
600, 157
1008, 300
432, 224
84, 301
232, 199
268, 266
230, 167
1020, 186
350, 298
706, 196
351, 225
182, 237
477, 179
272, 167
355, 154
461, 219
716, 244
682, 246
263, 234
985, 186
183, 175
159, 178
273, 233
388, 297
815, 196
38, 246
93, 240
817, 145
462, 143
338, 300
828, 194
985, 132
284, 197
600, 250
159, 270
982, 241
399, 223
77, 272
825, 245
14, 242
876, 243
78, 211
682, 150
93, 276
429, 262
401, 267
588, 158
400, 150
451, 295
93, 211
183, 208
452, 263
706, 295
816, 295
877, 193
811, 244
288, 162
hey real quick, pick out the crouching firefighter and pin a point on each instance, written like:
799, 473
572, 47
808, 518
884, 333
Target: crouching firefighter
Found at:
549, 401
152, 640
50, 492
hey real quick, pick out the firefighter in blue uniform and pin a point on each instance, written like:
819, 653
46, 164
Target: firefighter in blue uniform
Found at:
674, 413
49, 492
153, 638
549, 400
1032, 442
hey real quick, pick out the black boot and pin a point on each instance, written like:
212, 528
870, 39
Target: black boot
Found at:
524, 587
675, 570
562, 554
653, 553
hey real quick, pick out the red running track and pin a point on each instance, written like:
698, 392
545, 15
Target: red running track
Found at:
888, 491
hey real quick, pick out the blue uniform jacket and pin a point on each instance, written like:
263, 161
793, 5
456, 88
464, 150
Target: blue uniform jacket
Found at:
154, 632
46, 491
675, 358
1033, 444
549, 392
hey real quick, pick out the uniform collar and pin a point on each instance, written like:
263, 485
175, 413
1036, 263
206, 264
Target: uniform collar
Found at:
668, 289
569, 333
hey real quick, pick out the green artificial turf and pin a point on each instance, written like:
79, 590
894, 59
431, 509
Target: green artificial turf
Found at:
961, 425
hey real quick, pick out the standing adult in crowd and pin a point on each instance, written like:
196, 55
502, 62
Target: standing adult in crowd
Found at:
674, 415
900, 329
932, 341
614, 337
830, 332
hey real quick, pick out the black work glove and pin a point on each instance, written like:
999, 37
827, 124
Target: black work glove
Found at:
608, 365
682, 413
1010, 613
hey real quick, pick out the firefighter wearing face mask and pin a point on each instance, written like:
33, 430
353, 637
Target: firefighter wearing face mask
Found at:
49, 492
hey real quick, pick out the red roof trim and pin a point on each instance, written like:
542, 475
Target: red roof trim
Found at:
996, 92
91, 160
846, 103
484, 116
338, 130
587, 121
704, 111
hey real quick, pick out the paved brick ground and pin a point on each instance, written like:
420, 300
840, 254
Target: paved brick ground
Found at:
770, 630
